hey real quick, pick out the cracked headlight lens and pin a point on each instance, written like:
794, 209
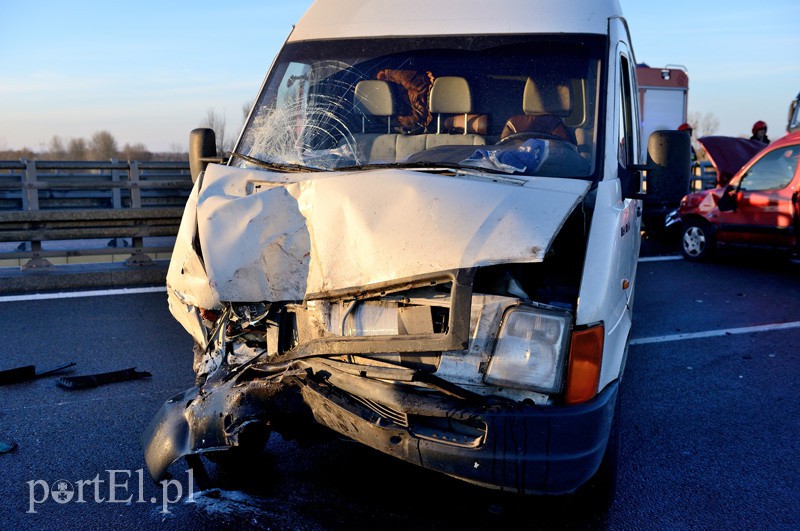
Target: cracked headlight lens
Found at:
529, 351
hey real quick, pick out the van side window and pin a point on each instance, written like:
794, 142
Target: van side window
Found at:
627, 140
774, 171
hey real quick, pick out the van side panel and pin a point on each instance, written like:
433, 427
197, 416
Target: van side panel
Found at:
614, 239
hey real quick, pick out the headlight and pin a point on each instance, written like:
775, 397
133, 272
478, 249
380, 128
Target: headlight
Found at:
529, 351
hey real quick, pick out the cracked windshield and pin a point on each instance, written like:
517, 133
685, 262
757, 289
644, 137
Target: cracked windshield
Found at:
516, 105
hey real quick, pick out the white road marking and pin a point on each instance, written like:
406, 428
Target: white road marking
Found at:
716, 333
659, 258
173, 391
79, 294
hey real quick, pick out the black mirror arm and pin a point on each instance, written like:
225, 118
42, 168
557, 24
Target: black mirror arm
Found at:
637, 195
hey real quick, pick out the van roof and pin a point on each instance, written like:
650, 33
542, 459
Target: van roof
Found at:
334, 19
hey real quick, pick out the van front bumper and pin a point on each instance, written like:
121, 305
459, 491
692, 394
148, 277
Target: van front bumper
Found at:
503, 445
525, 449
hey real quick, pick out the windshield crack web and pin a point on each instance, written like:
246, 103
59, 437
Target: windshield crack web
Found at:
314, 124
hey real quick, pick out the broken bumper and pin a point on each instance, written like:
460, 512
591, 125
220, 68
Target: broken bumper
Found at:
523, 448
509, 446
673, 219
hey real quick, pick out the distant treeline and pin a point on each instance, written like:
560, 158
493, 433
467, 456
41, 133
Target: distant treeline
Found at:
102, 146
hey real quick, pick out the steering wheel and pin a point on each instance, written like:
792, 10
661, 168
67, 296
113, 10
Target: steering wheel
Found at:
522, 137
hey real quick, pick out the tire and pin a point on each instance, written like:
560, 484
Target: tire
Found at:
697, 240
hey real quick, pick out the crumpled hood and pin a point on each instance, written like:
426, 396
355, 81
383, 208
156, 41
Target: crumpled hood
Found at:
728, 154
268, 236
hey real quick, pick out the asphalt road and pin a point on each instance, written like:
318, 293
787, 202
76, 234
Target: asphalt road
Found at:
710, 433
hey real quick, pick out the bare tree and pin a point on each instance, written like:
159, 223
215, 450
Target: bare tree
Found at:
135, 152
246, 106
103, 146
56, 149
704, 124
216, 121
17, 154
77, 149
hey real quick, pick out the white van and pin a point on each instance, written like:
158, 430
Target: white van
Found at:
425, 240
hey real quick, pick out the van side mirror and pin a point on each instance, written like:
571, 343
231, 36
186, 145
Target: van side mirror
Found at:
669, 166
202, 150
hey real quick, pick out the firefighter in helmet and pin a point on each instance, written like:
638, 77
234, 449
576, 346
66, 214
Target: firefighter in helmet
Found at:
760, 132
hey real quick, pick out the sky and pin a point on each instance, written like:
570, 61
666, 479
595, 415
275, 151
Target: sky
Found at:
149, 72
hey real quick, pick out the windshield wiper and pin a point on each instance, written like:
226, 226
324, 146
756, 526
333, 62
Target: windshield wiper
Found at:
421, 164
277, 166
287, 167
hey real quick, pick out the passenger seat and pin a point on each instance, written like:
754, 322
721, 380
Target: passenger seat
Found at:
544, 106
450, 95
372, 97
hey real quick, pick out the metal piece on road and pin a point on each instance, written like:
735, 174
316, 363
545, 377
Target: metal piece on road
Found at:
27, 373
94, 380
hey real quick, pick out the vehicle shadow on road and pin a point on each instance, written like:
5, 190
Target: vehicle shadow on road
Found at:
341, 485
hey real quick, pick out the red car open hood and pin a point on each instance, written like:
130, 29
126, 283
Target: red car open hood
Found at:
728, 154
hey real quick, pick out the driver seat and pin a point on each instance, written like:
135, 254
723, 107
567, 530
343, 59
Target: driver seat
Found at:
544, 107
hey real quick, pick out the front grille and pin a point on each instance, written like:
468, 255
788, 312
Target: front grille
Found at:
385, 412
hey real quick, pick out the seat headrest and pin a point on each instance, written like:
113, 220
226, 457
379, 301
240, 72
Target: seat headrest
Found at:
374, 97
450, 95
553, 99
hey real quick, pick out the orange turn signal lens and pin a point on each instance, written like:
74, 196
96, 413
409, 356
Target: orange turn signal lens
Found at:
585, 359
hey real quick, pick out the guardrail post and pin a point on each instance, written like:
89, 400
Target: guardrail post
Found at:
136, 192
36, 261
30, 201
30, 194
116, 198
116, 202
138, 258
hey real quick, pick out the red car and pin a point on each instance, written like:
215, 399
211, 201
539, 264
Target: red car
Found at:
759, 206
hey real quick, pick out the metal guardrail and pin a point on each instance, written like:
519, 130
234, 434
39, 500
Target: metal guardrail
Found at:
704, 176
83, 201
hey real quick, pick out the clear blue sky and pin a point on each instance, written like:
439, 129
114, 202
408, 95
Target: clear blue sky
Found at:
149, 71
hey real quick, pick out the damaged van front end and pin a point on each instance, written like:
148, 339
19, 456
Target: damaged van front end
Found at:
425, 240
448, 341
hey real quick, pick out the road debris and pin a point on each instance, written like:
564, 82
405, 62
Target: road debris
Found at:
7, 447
93, 380
27, 373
